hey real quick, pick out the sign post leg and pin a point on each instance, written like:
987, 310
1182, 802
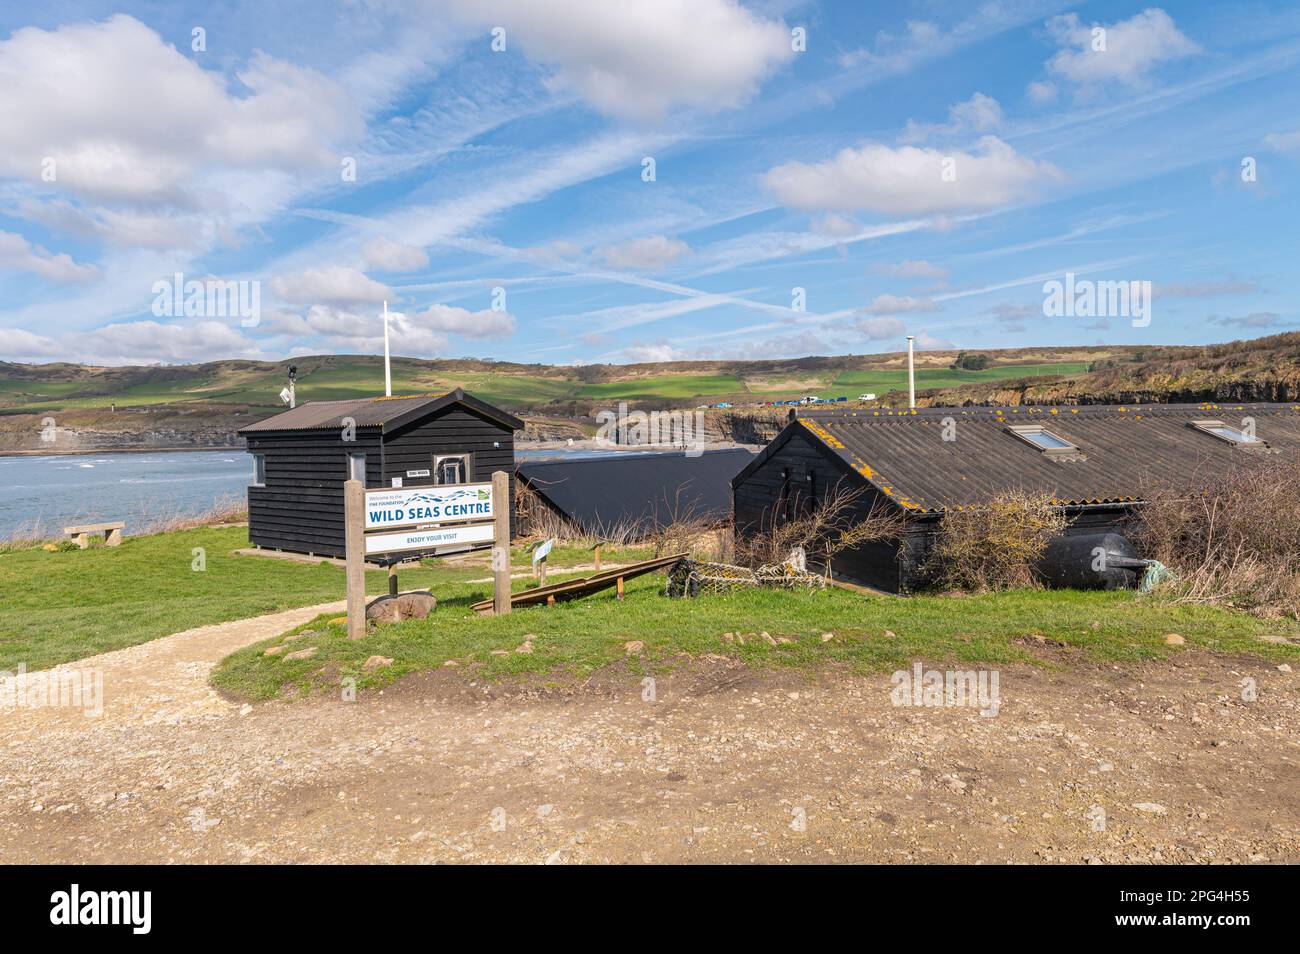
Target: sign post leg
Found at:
354, 508
501, 543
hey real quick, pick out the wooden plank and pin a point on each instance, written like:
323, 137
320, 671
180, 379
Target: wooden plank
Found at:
585, 586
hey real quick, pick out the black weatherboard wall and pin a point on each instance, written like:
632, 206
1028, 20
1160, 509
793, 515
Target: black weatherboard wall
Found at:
299, 505
927, 462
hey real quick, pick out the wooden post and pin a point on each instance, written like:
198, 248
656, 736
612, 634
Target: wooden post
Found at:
620, 587
354, 522
597, 557
541, 572
392, 579
501, 542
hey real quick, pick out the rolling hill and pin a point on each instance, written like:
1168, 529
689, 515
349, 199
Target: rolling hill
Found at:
204, 404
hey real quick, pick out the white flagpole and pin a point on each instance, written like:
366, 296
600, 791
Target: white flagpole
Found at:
388, 371
911, 375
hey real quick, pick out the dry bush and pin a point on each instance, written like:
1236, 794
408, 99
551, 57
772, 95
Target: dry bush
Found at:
835, 524
1233, 539
994, 546
673, 527
231, 508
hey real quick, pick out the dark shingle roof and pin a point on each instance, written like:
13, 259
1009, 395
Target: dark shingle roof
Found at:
602, 493
382, 412
1124, 449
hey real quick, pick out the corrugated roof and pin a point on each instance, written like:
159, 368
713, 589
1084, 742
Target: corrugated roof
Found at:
1123, 449
375, 412
601, 493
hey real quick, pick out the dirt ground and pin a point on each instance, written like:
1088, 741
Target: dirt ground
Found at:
1096, 764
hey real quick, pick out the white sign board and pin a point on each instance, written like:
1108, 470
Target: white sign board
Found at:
428, 539
453, 503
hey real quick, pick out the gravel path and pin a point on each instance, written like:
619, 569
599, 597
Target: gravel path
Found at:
719, 763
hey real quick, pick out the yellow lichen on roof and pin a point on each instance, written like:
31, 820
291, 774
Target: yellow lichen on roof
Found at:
822, 432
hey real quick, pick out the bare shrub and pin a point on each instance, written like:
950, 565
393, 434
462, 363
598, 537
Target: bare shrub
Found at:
994, 546
832, 526
673, 526
231, 508
1232, 539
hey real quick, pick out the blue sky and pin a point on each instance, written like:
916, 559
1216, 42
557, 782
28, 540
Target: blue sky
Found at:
915, 168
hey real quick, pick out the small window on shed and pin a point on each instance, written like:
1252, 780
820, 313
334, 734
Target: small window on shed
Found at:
1236, 436
259, 470
1040, 437
357, 467
452, 469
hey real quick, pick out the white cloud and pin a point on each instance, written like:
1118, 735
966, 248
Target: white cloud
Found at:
17, 253
385, 255
928, 342
652, 353
835, 226
909, 180
637, 58
151, 342
472, 324
913, 268
17, 343
125, 116
979, 114
896, 304
334, 284
882, 327
1132, 48
1041, 93
652, 254
1256, 319
1284, 142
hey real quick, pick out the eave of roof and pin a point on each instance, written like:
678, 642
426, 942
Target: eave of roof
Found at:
329, 415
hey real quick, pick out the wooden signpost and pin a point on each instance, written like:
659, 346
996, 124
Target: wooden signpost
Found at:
433, 519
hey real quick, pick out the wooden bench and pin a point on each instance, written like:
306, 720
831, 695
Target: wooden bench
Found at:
81, 534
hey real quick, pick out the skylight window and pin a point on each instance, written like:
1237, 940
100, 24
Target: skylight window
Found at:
1038, 436
1226, 432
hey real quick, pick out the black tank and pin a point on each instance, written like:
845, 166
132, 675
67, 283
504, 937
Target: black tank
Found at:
1091, 561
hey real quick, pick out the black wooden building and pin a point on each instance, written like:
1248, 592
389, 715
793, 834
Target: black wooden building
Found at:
1095, 461
302, 457
634, 494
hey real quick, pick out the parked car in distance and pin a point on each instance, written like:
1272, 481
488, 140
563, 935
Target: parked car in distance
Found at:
867, 397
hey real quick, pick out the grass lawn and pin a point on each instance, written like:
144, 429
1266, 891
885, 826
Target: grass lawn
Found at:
584, 635
56, 607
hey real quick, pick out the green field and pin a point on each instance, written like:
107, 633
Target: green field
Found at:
668, 386
340, 377
881, 382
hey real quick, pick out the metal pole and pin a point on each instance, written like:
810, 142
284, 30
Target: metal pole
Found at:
354, 522
501, 504
388, 371
911, 375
